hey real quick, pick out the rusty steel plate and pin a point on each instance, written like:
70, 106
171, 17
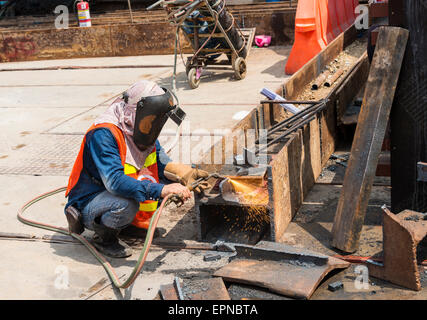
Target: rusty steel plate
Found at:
203, 289
282, 269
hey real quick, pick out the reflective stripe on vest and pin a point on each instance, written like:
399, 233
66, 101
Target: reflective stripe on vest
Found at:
149, 161
148, 207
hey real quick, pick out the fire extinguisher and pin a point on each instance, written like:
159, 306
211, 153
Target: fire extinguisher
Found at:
83, 13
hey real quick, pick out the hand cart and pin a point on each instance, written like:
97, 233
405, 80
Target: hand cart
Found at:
212, 31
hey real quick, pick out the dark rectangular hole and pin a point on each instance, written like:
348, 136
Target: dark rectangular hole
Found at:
237, 224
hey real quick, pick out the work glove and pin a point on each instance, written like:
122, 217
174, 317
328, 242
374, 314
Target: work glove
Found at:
186, 175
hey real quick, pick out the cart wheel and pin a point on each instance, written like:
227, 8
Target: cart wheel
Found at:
240, 68
192, 78
187, 67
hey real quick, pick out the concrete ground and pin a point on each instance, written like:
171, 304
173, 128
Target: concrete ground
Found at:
43, 116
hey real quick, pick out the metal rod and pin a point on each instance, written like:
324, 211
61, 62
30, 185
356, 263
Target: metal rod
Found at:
187, 9
175, 60
320, 80
297, 121
155, 4
305, 113
130, 11
178, 288
287, 132
331, 80
295, 117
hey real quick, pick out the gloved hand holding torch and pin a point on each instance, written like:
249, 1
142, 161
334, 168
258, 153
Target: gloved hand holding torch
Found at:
186, 175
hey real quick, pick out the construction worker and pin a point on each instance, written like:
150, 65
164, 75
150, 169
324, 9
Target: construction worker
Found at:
115, 184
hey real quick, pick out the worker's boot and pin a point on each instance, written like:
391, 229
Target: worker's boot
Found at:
107, 242
74, 219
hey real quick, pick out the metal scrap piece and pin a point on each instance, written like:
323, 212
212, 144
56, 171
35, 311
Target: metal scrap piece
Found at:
212, 257
283, 269
422, 171
201, 289
224, 246
337, 285
178, 289
400, 239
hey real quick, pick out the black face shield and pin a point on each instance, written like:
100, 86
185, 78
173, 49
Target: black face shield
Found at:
151, 115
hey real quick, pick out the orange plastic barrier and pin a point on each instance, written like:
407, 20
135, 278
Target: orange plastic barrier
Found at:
328, 17
349, 11
342, 14
355, 4
317, 23
308, 35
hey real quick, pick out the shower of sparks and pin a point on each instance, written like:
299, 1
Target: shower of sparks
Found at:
255, 199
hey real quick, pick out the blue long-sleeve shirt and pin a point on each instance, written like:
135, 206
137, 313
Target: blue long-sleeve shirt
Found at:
103, 170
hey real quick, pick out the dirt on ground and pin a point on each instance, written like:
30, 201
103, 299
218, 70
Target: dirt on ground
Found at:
344, 61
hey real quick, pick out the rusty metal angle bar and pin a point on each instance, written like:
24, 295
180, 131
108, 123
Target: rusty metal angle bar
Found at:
401, 234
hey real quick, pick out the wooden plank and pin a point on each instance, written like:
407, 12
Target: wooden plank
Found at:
368, 138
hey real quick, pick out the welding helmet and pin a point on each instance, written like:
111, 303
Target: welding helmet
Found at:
151, 115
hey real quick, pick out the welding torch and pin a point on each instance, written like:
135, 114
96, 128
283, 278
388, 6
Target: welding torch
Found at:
199, 181
178, 199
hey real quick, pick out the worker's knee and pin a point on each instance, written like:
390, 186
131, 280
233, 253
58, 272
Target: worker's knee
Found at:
113, 211
132, 209
122, 213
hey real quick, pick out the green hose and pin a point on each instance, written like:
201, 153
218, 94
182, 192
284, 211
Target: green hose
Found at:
107, 266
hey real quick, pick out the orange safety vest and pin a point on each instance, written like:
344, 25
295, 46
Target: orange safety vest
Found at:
148, 172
